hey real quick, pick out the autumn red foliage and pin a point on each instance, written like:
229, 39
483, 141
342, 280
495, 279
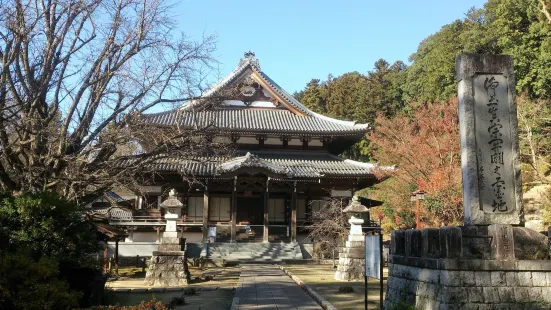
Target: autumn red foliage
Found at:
424, 148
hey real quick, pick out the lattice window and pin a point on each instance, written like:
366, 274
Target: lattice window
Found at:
276, 210
219, 209
302, 213
195, 208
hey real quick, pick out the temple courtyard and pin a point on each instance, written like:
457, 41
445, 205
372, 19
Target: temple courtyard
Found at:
246, 286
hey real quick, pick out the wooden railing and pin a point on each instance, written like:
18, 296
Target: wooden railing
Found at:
152, 220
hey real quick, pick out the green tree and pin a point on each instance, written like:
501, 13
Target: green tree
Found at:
39, 233
522, 31
44, 225
345, 93
29, 284
517, 28
431, 77
314, 96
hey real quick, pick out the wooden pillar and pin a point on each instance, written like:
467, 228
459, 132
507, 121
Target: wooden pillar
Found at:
266, 221
117, 255
205, 215
105, 258
233, 211
294, 214
158, 229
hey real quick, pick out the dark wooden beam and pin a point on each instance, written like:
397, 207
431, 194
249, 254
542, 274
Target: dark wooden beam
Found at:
205, 215
266, 220
294, 214
233, 211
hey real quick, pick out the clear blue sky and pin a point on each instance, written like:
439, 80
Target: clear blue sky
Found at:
296, 41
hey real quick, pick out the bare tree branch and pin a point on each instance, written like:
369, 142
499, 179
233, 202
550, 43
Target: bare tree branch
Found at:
74, 78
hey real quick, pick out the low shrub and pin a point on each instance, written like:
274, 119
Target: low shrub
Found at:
152, 304
346, 289
176, 301
190, 291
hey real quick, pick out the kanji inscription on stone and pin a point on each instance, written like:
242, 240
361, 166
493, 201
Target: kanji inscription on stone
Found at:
494, 145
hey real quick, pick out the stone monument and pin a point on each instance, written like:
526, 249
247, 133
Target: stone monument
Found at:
490, 262
352, 257
492, 185
168, 265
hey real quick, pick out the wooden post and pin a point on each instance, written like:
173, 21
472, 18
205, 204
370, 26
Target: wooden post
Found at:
266, 220
105, 258
116, 255
233, 211
294, 214
205, 215
158, 229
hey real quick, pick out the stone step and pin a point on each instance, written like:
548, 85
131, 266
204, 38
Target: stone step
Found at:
254, 251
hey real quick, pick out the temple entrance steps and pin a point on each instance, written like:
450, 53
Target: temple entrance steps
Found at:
254, 252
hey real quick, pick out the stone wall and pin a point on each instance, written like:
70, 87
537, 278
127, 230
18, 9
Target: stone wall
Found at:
437, 269
480, 289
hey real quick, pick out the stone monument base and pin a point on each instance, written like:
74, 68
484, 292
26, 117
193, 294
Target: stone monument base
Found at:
456, 268
168, 265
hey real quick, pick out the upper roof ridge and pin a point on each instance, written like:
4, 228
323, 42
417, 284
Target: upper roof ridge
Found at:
250, 62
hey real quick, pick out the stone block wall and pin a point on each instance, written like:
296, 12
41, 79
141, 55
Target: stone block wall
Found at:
454, 268
427, 288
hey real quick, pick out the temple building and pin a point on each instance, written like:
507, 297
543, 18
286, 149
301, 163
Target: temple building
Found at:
284, 166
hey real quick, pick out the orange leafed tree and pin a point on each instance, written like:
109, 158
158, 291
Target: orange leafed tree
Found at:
424, 147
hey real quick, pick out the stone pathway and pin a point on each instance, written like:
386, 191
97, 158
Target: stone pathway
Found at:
268, 287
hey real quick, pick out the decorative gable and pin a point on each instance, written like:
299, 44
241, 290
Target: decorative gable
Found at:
249, 86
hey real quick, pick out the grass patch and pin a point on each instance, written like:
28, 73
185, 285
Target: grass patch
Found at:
322, 279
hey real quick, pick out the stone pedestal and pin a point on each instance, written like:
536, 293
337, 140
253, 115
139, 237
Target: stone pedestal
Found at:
469, 268
168, 265
352, 257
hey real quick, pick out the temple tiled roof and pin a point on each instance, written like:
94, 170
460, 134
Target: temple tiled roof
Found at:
291, 117
287, 165
257, 121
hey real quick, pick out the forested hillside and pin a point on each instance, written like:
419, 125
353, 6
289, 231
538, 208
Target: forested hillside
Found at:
413, 109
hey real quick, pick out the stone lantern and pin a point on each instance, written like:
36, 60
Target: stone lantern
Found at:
168, 265
173, 207
352, 257
355, 208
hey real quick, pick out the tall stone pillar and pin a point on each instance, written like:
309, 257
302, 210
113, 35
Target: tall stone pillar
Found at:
490, 161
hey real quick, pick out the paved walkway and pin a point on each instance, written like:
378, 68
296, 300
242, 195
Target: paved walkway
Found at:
268, 287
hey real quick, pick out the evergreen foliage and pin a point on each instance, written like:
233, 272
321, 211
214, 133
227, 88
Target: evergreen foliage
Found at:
39, 233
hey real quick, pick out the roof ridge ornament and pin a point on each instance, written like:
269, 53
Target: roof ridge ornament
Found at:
249, 58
